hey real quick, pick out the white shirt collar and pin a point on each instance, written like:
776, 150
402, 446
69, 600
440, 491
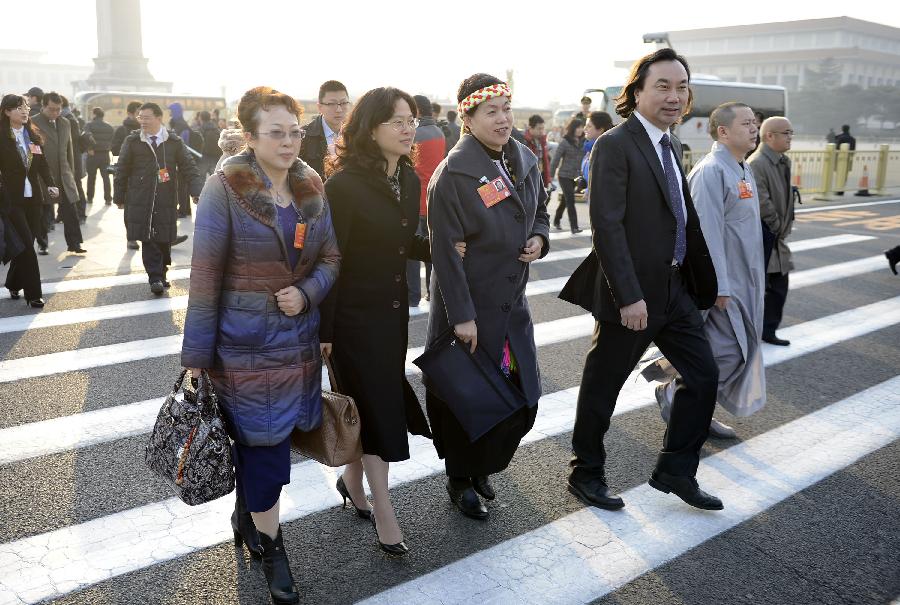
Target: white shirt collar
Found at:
654, 132
329, 133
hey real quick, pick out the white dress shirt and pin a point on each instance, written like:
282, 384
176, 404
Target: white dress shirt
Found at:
20, 141
330, 136
656, 135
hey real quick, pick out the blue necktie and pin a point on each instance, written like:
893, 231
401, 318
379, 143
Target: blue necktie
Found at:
673, 180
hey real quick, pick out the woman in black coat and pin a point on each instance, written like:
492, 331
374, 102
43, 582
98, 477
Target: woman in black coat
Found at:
482, 298
22, 161
374, 197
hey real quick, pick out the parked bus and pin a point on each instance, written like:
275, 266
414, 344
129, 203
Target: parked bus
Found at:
114, 103
709, 92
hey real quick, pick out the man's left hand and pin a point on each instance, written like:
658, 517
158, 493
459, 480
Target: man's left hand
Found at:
532, 249
290, 301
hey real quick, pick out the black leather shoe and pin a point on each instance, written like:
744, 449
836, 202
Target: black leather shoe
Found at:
157, 287
14, 294
244, 529
179, 240
37, 303
557, 226
133, 245
483, 486
576, 230
278, 570
341, 487
397, 550
77, 250
467, 502
774, 340
595, 493
685, 488
43, 252
893, 257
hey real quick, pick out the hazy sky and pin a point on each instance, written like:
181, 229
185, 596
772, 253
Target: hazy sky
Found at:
557, 48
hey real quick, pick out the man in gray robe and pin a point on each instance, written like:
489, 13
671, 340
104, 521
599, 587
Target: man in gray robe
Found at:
724, 194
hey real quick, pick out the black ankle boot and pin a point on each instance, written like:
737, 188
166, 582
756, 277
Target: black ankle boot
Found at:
244, 529
278, 570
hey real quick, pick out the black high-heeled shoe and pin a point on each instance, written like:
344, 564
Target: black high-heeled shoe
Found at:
397, 550
244, 530
277, 570
341, 487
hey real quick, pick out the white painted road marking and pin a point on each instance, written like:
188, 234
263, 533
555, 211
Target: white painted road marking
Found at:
826, 242
590, 553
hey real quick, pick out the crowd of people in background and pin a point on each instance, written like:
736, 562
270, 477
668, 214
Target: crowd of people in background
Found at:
310, 241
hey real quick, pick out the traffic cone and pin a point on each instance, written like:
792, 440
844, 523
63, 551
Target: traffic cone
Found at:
864, 183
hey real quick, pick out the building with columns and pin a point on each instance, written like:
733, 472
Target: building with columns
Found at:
790, 53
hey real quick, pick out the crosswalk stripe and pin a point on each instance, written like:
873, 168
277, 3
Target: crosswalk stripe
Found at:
590, 553
107, 281
821, 275
826, 242
60, 561
99, 426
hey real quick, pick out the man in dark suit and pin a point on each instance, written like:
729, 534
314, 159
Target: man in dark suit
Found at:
649, 272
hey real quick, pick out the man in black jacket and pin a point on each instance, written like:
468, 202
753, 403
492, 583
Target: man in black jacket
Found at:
129, 125
98, 155
319, 136
649, 272
80, 144
211, 152
151, 162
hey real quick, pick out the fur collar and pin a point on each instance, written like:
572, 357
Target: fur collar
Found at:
251, 193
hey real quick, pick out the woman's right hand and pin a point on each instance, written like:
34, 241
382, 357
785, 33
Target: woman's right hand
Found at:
325, 348
468, 333
460, 249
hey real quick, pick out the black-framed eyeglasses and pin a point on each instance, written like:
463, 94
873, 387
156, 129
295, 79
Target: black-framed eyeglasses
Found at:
335, 104
278, 135
398, 125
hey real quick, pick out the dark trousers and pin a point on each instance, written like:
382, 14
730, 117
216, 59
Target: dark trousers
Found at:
612, 357
24, 272
414, 272
776, 295
157, 257
46, 220
81, 204
68, 213
98, 161
566, 202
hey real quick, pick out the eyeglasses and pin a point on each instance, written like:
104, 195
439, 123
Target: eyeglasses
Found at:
787, 133
336, 104
278, 135
398, 125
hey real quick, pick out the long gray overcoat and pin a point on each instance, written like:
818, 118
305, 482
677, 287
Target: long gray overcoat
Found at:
776, 203
488, 285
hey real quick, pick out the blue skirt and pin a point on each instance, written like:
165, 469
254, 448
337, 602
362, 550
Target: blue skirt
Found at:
261, 472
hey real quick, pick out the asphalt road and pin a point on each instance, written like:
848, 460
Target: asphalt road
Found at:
87, 524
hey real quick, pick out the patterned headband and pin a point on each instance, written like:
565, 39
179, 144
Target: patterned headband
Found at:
480, 96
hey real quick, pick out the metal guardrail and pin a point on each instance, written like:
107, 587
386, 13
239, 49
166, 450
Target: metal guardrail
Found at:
836, 170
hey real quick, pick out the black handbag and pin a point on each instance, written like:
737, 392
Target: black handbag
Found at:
471, 384
189, 447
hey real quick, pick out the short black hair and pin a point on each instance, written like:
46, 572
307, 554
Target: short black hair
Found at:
435, 109
845, 128
98, 112
65, 101
51, 97
156, 109
535, 120
205, 116
601, 120
452, 115
133, 107
331, 86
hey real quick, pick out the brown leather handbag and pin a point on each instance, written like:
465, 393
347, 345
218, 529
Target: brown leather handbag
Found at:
336, 442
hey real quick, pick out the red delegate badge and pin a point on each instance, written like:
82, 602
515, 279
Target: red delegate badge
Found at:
494, 192
300, 236
745, 191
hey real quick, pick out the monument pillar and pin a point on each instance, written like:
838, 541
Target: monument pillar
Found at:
120, 64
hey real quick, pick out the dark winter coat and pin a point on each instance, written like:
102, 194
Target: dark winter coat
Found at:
366, 315
314, 148
488, 285
59, 152
128, 126
102, 134
210, 140
266, 366
151, 206
12, 173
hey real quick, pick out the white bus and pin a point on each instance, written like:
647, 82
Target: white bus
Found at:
114, 103
709, 92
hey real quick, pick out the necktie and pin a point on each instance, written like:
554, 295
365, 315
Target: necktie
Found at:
153, 140
673, 180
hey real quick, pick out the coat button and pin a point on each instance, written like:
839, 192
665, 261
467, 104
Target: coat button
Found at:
397, 278
396, 304
403, 222
402, 250
505, 307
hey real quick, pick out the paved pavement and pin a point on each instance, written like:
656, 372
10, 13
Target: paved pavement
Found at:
811, 487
